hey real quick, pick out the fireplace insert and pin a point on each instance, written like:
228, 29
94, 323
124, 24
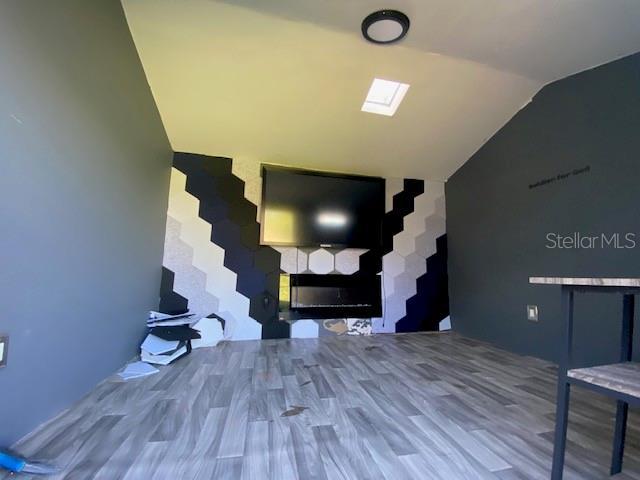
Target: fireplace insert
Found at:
335, 296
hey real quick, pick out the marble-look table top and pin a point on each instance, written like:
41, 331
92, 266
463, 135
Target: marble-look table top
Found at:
621, 377
586, 281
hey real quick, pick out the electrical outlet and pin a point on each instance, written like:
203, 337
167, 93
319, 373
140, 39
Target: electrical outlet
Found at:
532, 313
4, 350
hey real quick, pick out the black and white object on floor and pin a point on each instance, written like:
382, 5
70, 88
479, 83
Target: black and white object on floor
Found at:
169, 337
164, 358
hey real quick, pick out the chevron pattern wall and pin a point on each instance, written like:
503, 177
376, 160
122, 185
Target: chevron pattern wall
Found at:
213, 261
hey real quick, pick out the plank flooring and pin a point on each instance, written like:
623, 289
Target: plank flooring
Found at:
413, 406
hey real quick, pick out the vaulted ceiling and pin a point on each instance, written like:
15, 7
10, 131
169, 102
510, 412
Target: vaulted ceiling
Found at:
282, 81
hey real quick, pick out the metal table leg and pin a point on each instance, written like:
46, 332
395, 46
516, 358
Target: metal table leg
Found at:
562, 401
622, 408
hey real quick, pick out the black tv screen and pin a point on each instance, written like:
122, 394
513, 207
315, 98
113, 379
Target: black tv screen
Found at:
306, 209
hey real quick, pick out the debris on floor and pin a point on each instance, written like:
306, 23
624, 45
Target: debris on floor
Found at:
157, 319
181, 333
294, 410
157, 346
169, 337
164, 358
137, 370
17, 464
211, 331
172, 337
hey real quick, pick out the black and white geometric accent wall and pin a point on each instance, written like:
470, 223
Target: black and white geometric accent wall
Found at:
214, 263
212, 248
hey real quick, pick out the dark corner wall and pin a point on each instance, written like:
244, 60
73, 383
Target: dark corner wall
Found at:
83, 198
568, 162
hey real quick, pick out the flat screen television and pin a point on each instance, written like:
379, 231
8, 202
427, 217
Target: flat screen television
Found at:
306, 208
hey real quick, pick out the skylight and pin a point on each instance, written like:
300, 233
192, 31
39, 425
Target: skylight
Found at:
384, 97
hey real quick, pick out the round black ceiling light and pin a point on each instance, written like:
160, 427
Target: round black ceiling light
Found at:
385, 26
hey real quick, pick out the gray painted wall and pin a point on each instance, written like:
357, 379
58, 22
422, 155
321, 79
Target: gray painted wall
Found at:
497, 225
83, 196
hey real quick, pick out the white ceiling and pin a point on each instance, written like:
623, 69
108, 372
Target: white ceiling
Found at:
283, 81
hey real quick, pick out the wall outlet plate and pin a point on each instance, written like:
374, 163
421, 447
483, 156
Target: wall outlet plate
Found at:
532, 313
4, 350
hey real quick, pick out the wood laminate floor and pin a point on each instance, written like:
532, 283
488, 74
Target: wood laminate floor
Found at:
415, 406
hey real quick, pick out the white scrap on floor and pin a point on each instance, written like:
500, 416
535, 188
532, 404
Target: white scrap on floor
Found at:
137, 370
164, 359
156, 345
